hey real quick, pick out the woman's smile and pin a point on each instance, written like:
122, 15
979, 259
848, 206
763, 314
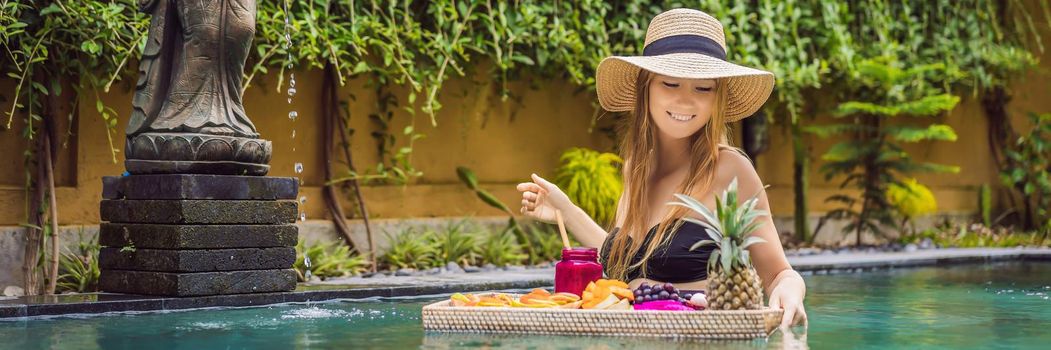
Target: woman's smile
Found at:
680, 116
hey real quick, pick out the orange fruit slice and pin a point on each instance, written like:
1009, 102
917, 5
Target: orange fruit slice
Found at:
601, 292
587, 295
622, 293
611, 283
564, 298
540, 291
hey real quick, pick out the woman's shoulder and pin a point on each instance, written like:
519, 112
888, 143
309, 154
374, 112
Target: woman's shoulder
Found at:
734, 163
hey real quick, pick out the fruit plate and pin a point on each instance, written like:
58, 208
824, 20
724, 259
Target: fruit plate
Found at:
745, 324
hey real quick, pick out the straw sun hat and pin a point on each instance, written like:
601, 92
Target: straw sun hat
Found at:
689, 44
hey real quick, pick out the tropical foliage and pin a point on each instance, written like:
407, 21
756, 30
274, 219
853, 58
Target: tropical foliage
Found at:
79, 271
328, 259
911, 199
1029, 172
872, 157
976, 235
592, 180
468, 243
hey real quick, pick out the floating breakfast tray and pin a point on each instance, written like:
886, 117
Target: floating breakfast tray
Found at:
745, 324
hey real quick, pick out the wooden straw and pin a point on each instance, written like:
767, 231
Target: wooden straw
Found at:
562, 228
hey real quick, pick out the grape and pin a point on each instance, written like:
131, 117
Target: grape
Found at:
675, 296
658, 286
664, 295
670, 288
644, 285
647, 291
687, 296
638, 293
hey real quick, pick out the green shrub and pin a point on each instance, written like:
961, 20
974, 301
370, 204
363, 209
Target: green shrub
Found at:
1028, 171
976, 236
872, 157
411, 249
911, 199
502, 249
458, 242
985, 204
332, 259
592, 180
79, 272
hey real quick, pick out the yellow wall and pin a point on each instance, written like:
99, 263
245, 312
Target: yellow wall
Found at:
517, 139
502, 153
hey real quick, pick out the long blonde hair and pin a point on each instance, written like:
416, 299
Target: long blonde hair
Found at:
638, 149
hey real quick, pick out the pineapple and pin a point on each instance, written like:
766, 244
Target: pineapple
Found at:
733, 283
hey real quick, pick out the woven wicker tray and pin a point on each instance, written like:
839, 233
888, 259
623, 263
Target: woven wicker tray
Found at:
748, 324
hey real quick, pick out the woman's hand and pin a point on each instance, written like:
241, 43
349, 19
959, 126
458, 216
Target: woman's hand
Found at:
788, 294
541, 198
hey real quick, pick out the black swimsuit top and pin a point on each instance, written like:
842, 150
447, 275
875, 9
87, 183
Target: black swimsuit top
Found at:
674, 262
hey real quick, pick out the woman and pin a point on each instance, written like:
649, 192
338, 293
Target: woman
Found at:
681, 94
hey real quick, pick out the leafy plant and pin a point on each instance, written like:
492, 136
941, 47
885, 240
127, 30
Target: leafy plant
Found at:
1028, 171
79, 272
501, 249
985, 205
872, 158
592, 180
976, 236
911, 199
332, 259
458, 243
411, 249
468, 178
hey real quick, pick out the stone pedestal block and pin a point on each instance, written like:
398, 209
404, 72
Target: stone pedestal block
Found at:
198, 283
194, 235
194, 211
197, 260
168, 236
192, 186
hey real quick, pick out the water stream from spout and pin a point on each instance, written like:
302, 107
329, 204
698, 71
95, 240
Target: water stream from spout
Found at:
292, 116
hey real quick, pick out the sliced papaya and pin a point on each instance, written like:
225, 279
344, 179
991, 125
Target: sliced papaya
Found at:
563, 298
540, 291
611, 283
590, 304
601, 292
506, 298
622, 293
573, 305
588, 295
534, 297
539, 302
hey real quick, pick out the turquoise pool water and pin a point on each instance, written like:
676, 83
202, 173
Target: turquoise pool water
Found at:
973, 306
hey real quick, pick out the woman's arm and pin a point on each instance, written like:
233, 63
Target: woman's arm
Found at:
784, 285
769, 258
584, 228
541, 198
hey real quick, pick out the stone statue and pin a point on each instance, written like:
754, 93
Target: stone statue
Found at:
187, 115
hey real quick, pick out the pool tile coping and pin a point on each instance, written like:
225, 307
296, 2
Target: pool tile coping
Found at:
95, 303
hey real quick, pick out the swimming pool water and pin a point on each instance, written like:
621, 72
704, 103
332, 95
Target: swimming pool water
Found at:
1003, 305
